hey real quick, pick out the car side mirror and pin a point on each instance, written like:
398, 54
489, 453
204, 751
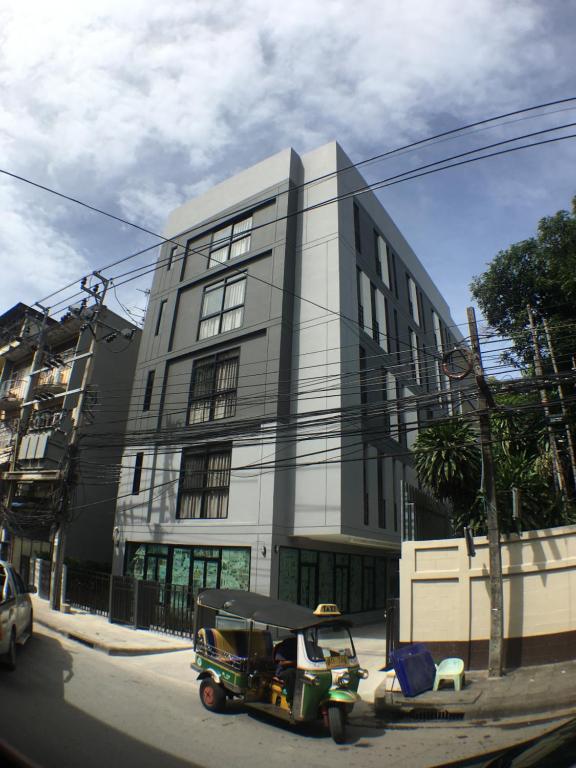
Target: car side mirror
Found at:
32, 589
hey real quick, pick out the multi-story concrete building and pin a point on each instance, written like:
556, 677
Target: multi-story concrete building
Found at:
38, 409
293, 341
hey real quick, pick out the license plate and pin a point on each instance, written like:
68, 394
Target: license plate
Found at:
332, 662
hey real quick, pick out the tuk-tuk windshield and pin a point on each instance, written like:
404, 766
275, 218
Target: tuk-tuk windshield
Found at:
328, 641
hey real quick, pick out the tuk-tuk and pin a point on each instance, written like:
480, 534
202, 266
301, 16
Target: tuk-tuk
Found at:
277, 657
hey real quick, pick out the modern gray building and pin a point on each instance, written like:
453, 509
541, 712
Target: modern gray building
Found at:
291, 348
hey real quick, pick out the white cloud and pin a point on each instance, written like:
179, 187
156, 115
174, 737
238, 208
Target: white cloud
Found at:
138, 104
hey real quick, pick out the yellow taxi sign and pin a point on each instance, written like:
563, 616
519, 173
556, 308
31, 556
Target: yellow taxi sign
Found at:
327, 609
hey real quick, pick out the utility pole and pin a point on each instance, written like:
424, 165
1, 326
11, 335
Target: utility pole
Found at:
565, 415
486, 402
26, 408
539, 368
70, 464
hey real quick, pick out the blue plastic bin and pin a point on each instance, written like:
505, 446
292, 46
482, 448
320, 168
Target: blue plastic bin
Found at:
415, 669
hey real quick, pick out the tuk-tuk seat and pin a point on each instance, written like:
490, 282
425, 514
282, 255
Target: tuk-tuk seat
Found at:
231, 646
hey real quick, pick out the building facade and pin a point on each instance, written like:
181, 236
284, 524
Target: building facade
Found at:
38, 409
292, 347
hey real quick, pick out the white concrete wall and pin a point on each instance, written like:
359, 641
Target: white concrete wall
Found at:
445, 594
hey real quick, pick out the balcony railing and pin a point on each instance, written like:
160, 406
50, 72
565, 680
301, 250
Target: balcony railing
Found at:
12, 391
55, 377
45, 420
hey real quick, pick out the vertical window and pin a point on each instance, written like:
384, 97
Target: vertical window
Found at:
137, 473
413, 300
214, 385
357, 239
171, 255
148, 391
359, 298
381, 320
365, 484
363, 383
414, 358
222, 307
381, 496
204, 484
382, 264
366, 298
398, 350
437, 332
230, 241
160, 313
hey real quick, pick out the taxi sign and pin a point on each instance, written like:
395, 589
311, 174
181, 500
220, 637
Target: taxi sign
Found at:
327, 609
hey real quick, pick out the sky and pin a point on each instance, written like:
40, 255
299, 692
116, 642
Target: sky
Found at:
136, 106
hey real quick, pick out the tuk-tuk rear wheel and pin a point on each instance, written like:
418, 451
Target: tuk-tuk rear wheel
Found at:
337, 722
212, 696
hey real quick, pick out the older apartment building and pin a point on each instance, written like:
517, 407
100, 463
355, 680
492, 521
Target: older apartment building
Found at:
291, 349
37, 411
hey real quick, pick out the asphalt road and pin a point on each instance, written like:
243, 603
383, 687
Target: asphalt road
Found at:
70, 706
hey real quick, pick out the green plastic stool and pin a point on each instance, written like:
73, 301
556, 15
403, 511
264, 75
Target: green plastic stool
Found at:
450, 670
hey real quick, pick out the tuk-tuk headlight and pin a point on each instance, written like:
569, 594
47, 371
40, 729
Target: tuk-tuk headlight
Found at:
344, 679
311, 678
362, 673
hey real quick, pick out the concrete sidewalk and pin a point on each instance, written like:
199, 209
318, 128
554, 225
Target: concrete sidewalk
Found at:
97, 632
523, 691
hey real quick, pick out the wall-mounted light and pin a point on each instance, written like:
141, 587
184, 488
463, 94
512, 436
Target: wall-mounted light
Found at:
276, 548
263, 550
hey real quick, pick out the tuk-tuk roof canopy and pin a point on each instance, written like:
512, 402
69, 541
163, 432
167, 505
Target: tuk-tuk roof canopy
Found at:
263, 609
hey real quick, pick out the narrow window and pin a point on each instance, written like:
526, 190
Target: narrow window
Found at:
357, 239
363, 387
365, 485
160, 313
359, 297
382, 260
171, 255
137, 473
148, 391
381, 496
413, 300
415, 358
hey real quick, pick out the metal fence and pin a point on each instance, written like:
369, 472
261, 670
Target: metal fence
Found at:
88, 590
121, 599
167, 608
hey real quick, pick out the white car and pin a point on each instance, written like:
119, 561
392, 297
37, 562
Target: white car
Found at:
16, 620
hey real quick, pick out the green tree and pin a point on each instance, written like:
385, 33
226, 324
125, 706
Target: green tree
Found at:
540, 271
447, 459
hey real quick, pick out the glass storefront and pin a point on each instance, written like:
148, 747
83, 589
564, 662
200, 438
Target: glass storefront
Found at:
198, 567
354, 582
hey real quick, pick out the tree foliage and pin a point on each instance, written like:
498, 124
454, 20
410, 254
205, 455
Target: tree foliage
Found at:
540, 271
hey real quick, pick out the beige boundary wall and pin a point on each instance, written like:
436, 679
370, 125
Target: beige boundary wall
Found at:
444, 598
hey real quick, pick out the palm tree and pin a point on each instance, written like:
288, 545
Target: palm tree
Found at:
448, 462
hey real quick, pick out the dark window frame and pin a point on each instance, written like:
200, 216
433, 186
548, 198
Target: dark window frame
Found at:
214, 360
204, 489
148, 391
137, 476
229, 240
357, 236
163, 303
171, 254
222, 311
365, 489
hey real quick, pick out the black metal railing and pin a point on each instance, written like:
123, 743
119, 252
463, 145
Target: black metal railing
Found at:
165, 607
88, 590
121, 599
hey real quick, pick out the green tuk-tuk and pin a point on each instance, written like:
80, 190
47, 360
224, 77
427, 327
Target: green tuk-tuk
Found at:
277, 657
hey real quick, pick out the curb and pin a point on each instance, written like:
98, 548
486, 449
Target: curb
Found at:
108, 648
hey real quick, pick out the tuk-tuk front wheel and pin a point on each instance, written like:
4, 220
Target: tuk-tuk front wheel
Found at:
212, 696
337, 722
